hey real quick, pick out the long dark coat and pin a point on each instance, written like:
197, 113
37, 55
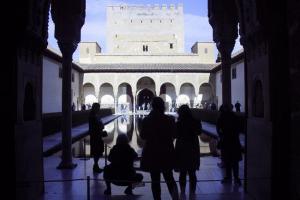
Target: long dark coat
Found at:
187, 146
227, 128
158, 131
96, 133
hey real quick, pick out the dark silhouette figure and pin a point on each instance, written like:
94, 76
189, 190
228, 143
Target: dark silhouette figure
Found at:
83, 107
73, 106
231, 151
237, 106
213, 106
96, 133
187, 148
121, 171
158, 156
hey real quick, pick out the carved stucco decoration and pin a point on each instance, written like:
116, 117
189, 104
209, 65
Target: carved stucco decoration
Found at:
223, 17
69, 17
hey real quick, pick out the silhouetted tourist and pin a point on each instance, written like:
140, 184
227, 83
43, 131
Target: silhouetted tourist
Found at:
213, 106
121, 171
158, 131
187, 148
237, 106
231, 152
73, 106
83, 107
96, 133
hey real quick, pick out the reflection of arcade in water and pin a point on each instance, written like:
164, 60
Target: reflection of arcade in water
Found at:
125, 124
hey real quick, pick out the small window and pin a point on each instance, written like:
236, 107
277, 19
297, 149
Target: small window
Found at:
131, 21
160, 21
72, 77
151, 21
60, 72
116, 35
141, 21
205, 50
233, 73
171, 20
145, 48
171, 45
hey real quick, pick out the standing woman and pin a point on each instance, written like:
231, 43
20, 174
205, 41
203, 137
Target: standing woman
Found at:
96, 133
187, 148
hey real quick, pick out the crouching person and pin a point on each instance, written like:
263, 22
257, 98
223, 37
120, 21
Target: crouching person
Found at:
120, 171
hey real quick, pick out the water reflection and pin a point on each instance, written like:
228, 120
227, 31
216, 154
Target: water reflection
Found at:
125, 124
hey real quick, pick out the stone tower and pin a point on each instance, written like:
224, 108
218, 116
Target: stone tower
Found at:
145, 29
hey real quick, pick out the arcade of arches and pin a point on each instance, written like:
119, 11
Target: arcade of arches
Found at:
137, 94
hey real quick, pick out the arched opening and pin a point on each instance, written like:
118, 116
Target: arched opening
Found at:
144, 98
29, 103
125, 98
187, 92
168, 94
89, 95
182, 99
89, 100
205, 96
88, 89
146, 83
106, 96
107, 101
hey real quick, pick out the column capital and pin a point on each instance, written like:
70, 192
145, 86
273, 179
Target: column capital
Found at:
67, 48
68, 17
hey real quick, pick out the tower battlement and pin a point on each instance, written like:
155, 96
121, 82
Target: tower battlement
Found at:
145, 29
148, 7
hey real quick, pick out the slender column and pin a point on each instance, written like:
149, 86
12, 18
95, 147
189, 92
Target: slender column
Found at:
223, 17
68, 17
116, 103
67, 49
134, 109
225, 48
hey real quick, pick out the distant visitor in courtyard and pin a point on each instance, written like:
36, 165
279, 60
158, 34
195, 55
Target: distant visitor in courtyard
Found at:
237, 106
187, 148
96, 133
158, 156
120, 169
213, 106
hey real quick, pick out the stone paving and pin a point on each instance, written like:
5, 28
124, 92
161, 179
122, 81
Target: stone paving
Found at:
208, 187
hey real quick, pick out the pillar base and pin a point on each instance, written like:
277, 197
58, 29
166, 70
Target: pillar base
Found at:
66, 165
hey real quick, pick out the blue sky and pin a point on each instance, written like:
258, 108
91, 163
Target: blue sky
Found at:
196, 24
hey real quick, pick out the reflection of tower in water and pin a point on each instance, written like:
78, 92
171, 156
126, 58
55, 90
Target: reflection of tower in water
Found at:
110, 129
140, 142
131, 126
125, 125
